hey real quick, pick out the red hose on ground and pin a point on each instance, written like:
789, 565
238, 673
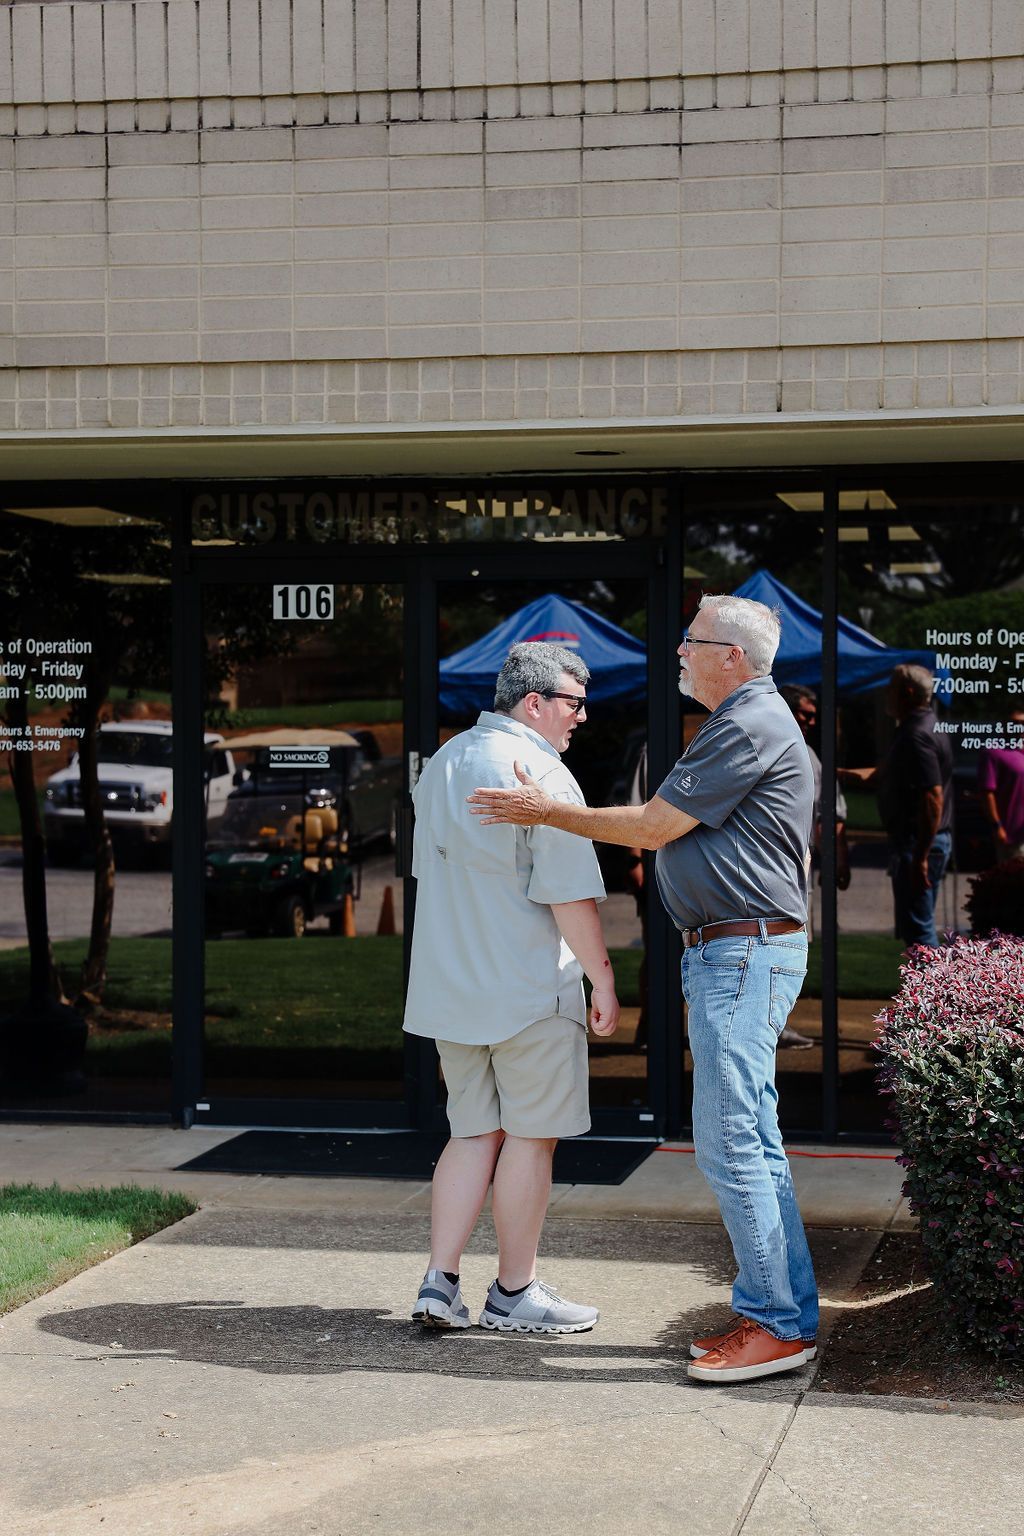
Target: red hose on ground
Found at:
885, 1157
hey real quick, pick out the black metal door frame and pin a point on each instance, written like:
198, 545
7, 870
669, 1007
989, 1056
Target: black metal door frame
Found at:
194, 571
420, 571
574, 561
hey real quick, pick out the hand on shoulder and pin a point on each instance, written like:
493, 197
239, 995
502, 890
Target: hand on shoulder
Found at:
526, 806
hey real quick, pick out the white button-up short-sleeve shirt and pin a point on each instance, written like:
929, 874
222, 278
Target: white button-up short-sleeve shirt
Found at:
488, 959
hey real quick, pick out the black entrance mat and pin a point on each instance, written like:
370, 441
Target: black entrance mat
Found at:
401, 1155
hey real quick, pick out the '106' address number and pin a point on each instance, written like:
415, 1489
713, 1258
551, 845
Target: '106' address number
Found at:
304, 602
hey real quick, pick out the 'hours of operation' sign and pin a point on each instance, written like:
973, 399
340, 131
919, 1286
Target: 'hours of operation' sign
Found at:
304, 602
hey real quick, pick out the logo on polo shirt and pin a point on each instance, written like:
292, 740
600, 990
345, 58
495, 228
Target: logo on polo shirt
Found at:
687, 782
442, 851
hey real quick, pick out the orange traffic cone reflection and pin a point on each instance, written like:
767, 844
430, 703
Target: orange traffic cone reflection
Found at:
386, 921
348, 917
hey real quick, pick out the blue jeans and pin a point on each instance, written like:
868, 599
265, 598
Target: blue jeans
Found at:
914, 913
739, 993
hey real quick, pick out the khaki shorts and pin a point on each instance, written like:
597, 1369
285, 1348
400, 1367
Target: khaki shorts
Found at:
535, 1085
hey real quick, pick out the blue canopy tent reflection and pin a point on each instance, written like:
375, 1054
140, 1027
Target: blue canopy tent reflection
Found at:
862, 662
617, 660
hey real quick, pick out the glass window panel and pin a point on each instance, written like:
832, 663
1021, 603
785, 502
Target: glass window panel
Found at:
935, 575
86, 800
303, 907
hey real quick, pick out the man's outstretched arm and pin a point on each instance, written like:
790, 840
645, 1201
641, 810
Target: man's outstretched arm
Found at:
632, 826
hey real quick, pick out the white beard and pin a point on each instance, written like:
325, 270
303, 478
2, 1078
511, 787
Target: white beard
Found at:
685, 686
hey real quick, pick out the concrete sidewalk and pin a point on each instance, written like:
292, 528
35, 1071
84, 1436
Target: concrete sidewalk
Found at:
252, 1371
836, 1188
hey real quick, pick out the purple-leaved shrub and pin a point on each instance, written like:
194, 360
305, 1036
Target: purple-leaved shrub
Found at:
952, 1048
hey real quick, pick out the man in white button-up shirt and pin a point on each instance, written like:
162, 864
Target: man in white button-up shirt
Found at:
506, 927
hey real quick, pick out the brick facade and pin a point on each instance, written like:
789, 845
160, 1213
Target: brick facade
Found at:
448, 210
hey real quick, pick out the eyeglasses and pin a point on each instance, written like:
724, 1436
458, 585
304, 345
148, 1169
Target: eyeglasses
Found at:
578, 702
689, 641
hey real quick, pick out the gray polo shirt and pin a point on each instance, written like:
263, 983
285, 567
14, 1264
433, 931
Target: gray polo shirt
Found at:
746, 777
488, 958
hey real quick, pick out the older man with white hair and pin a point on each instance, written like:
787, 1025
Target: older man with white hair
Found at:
732, 824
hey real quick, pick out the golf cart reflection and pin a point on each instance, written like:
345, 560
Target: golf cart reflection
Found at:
279, 856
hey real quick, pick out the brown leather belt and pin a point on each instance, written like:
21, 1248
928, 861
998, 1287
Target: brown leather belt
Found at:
745, 928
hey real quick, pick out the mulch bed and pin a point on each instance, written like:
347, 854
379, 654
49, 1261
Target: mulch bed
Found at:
897, 1342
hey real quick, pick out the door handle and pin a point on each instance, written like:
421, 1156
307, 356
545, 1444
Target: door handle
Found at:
403, 841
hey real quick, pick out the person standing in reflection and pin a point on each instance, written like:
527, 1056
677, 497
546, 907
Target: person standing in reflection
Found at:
732, 824
914, 786
506, 926
804, 704
1001, 781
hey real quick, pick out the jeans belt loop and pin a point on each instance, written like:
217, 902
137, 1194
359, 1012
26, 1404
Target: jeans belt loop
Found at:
762, 928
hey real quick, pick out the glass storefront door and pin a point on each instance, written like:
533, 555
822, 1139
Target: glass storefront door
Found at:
320, 700
482, 608
321, 696
303, 792
441, 568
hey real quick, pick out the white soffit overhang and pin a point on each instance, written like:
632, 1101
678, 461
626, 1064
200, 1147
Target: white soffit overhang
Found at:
448, 449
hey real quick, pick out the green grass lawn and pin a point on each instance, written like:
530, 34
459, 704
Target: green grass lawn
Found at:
48, 1235
868, 966
302, 1006
115, 696
266, 996
359, 711
319, 990
143, 695
10, 822
862, 811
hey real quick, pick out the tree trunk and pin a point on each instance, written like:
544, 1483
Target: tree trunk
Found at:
44, 978
94, 967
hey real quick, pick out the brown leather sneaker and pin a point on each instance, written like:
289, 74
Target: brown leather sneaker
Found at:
746, 1353
700, 1347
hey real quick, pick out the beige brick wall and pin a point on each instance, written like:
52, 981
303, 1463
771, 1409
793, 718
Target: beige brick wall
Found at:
468, 210
606, 387
150, 50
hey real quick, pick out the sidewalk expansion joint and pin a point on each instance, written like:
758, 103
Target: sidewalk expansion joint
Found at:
768, 1469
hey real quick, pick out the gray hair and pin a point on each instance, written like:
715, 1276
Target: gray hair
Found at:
751, 625
913, 680
534, 666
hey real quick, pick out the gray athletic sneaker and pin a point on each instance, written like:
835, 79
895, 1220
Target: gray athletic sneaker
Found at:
536, 1310
439, 1303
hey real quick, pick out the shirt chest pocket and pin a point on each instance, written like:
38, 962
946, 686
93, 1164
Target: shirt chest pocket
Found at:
485, 850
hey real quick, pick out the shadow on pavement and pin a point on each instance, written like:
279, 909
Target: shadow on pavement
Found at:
323, 1341
673, 1264
307, 1340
